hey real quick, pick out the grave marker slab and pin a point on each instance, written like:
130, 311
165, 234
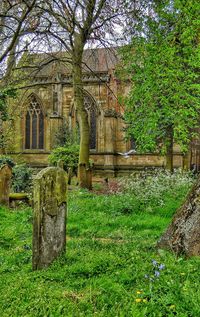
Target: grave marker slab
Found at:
5, 181
49, 221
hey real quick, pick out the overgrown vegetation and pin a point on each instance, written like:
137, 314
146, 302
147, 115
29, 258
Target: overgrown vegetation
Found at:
5, 94
149, 190
66, 148
22, 178
68, 154
111, 267
6, 160
66, 136
22, 174
162, 63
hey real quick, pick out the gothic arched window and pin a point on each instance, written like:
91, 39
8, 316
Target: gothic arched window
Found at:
90, 107
34, 125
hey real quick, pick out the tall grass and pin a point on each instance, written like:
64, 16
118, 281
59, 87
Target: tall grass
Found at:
111, 267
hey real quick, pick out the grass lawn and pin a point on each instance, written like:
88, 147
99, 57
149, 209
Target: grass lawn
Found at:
111, 267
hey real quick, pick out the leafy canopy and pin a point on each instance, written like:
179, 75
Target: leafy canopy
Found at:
162, 64
4, 95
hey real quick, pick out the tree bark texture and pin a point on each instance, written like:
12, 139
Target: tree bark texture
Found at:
186, 161
183, 234
169, 154
2, 147
81, 112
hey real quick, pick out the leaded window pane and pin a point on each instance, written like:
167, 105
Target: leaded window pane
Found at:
41, 131
27, 140
34, 138
90, 107
34, 131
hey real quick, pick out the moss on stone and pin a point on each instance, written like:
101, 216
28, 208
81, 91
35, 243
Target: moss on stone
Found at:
18, 196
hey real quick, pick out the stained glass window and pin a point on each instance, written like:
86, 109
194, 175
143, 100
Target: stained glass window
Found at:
34, 125
90, 107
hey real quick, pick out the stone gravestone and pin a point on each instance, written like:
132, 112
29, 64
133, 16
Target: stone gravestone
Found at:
5, 180
49, 221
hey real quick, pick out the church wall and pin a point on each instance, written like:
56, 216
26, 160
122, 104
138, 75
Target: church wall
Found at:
57, 104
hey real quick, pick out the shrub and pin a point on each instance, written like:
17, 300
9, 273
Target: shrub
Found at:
6, 160
69, 154
22, 178
65, 135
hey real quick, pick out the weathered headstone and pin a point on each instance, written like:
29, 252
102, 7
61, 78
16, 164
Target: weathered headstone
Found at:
49, 221
69, 175
5, 181
89, 178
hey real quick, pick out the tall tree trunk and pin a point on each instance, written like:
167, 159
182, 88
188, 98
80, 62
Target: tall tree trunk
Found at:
2, 146
11, 63
169, 154
186, 160
81, 113
183, 234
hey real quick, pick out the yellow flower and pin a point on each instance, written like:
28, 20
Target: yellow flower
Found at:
172, 306
139, 292
138, 300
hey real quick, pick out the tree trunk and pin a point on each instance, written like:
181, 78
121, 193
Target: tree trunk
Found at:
2, 147
183, 234
169, 154
81, 113
186, 161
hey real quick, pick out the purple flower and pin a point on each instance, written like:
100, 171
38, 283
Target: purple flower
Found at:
154, 262
161, 267
157, 273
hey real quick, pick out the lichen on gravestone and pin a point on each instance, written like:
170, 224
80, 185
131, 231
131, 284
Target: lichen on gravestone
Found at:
49, 220
5, 182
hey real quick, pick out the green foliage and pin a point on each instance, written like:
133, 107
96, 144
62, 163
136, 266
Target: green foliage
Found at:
65, 135
4, 95
22, 174
107, 270
69, 154
6, 160
67, 148
22, 178
162, 63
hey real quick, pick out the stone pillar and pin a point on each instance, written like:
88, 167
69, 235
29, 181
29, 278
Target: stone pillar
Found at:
49, 219
110, 142
57, 95
5, 180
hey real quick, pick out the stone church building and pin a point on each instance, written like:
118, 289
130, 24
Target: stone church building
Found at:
47, 104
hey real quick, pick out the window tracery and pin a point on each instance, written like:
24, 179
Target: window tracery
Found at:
90, 108
34, 125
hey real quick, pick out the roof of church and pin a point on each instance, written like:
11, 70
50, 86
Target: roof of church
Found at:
96, 60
